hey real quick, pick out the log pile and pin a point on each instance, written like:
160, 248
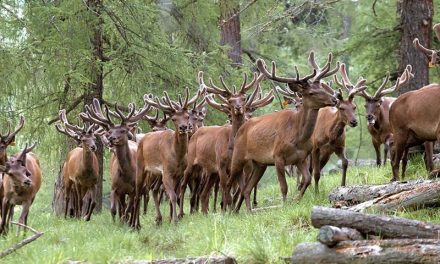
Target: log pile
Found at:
346, 236
388, 197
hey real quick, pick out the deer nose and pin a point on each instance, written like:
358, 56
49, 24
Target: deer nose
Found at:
183, 127
27, 182
370, 117
93, 148
111, 138
353, 123
334, 100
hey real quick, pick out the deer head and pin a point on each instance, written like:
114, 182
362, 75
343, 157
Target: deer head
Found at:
315, 94
117, 134
236, 100
178, 111
84, 136
290, 98
8, 139
155, 122
346, 107
15, 167
432, 55
373, 103
197, 114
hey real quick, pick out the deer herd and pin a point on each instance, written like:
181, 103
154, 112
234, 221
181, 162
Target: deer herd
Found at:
229, 158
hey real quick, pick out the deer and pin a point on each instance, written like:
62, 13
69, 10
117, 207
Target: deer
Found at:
123, 159
21, 182
169, 159
7, 140
329, 134
414, 118
377, 109
80, 169
281, 138
209, 149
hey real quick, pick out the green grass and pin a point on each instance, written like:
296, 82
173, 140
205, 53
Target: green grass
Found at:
262, 237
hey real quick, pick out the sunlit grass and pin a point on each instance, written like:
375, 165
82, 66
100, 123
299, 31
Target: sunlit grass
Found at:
261, 237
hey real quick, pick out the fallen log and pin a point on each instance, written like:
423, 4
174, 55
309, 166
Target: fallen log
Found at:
352, 195
22, 243
331, 235
195, 260
426, 195
377, 225
370, 251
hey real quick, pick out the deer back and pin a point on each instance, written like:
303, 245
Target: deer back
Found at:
418, 111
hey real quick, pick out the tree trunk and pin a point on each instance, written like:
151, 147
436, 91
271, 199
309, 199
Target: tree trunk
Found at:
370, 251
415, 22
352, 195
230, 29
196, 260
377, 225
95, 89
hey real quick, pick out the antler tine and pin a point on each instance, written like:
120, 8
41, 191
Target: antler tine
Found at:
220, 107
432, 54
142, 112
169, 101
150, 119
179, 98
67, 132
26, 150
402, 80
348, 85
222, 81
263, 101
285, 92
261, 65
382, 86
9, 136
185, 103
312, 61
254, 94
325, 71
211, 89
95, 114
75, 128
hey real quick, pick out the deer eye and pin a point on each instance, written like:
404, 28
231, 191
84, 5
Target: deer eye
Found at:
354, 107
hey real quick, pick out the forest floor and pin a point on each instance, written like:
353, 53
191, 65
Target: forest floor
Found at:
261, 237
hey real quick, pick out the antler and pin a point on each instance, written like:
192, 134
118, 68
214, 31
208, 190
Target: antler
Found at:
347, 85
325, 71
133, 115
214, 89
267, 99
220, 107
94, 114
25, 151
402, 80
8, 137
430, 53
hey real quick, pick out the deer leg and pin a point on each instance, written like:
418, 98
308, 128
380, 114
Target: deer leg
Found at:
255, 203
156, 199
254, 174
404, 162
397, 152
216, 187
204, 197
316, 168
24, 213
306, 179
78, 206
376, 146
186, 177
122, 205
429, 152
386, 149
5, 216
92, 202
340, 152
113, 203
279, 165
169, 184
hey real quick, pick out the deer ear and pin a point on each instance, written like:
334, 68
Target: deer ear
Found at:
130, 136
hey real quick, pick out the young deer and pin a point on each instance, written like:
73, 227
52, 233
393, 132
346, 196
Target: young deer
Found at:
5, 141
329, 134
21, 182
168, 162
377, 109
80, 169
123, 159
281, 138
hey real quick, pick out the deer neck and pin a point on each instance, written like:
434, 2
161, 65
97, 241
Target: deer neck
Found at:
180, 144
3, 159
307, 117
124, 157
87, 157
237, 122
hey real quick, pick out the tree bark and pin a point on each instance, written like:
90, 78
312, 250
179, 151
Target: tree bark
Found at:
95, 88
415, 22
331, 235
370, 251
196, 260
230, 33
352, 195
377, 225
